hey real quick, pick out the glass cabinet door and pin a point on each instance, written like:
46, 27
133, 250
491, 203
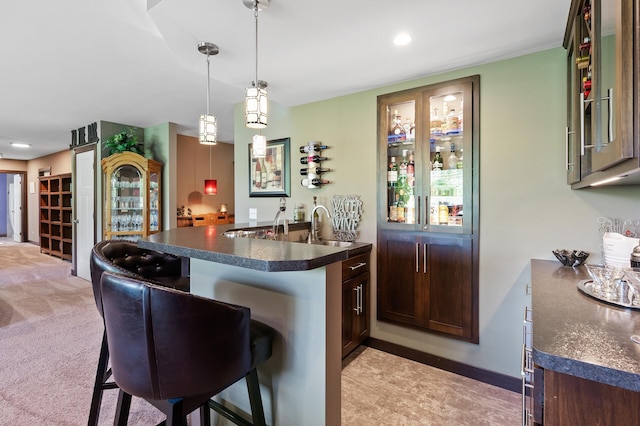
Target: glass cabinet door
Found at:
127, 202
427, 140
154, 207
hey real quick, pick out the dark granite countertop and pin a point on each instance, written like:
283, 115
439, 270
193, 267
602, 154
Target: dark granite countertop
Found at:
208, 243
578, 335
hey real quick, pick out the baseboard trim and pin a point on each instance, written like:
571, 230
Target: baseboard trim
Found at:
496, 379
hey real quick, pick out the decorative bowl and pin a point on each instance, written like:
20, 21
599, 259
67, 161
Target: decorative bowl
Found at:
571, 257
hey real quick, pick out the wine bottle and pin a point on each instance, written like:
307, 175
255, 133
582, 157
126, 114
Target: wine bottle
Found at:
314, 182
437, 160
311, 148
460, 163
315, 170
392, 173
452, 161
393, 210
400, 206
410, 215
411, 170
314, 159
263, 169
258, 175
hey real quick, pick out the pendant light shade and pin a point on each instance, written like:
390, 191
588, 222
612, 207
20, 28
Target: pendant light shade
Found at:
208, 124
259, 146
256, 100
210, 186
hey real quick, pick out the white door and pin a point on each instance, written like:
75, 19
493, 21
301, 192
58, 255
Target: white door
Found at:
16, 212
84, 212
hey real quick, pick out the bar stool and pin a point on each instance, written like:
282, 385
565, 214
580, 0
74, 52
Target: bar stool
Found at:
178, 365
126, 258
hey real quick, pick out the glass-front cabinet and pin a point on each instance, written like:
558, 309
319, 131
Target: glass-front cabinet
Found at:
428, 200
428, 148
599, 39
132, 196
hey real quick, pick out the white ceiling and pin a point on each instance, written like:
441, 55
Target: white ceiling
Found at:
136, 62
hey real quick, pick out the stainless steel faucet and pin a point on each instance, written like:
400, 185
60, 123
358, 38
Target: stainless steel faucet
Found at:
313, 235
280, 215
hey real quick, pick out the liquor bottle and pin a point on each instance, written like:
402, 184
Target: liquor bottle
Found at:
258, 175
452, 161
392, 173
461, 116
410, 215
312, 148
314, 170
411, 170
452, 122
400, 206
460, 163
393, 210
397, 131
314, 182
443, 214
435, 122
437, 160
407, 129
312, 158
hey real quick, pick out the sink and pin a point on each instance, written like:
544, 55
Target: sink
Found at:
333, 243
246, 233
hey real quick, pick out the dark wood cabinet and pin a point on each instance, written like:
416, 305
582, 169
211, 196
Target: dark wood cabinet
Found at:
602, 92
428, 282
56, 226
355, 302
428, 198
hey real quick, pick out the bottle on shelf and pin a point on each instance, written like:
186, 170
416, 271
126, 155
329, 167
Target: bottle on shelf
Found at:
435, 125
443, 214
407, 129
410, 215
461, 115
314, 170
312, 158
411, 170
312, 148
392, 173
460, 163
314, 182
393, 209
397, 132
437, 160
400, 206
452, 161
452, 122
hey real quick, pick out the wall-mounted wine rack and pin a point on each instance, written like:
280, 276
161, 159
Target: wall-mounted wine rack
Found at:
312, 161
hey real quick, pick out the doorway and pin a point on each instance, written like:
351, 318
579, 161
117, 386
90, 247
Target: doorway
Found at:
13, 205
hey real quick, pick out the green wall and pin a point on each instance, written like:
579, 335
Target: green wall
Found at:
526, 209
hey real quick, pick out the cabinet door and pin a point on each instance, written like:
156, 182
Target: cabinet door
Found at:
355, 320
575, 88
125, 205
449, 289
399, 288
613, 23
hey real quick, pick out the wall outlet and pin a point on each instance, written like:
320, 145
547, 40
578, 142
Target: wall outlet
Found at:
253, 213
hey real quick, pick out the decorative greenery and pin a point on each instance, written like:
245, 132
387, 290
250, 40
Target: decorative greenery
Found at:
126, 140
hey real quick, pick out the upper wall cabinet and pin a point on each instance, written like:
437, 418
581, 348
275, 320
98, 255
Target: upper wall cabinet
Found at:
602, 146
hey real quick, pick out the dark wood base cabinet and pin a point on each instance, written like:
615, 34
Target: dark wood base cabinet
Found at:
428, 282
570, 400
355, 302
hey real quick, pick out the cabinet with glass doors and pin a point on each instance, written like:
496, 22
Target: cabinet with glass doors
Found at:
132, 196
428, 207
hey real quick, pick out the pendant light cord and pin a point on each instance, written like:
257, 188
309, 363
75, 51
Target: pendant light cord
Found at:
255, 13
208, 80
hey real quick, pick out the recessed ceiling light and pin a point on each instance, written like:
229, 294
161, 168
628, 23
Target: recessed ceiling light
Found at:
20, 145
449, 98
402, 39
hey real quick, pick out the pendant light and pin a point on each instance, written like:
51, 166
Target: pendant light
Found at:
256, 96
259, 147
210, 185
208, 124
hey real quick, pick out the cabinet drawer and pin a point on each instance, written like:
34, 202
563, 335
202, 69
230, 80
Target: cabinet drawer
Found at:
355, 266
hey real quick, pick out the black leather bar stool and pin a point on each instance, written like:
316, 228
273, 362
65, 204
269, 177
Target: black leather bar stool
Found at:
178, 365
126, 258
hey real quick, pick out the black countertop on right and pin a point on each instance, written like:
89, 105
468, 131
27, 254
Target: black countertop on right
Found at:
578, 335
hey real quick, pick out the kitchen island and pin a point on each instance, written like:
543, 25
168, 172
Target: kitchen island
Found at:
591, 366
293, 287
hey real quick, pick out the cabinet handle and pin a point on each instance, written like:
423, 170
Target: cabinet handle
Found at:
426, 212
360, 304
566, 148
358, 265
424, 260
357, 290
417, 257
609, 100
527, 289
419, 210
583, 101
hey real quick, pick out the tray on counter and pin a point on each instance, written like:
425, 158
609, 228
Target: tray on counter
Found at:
586, 286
